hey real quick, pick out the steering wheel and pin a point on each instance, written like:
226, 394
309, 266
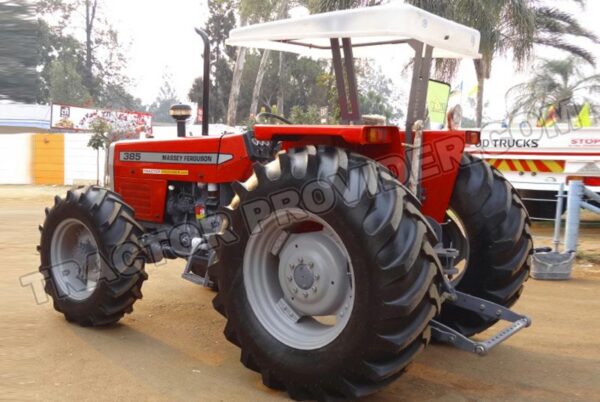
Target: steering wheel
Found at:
271, 116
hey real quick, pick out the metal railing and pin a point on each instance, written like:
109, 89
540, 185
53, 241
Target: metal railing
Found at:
544, 200
551, 264
577, 200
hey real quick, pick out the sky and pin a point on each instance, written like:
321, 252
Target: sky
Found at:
159, 38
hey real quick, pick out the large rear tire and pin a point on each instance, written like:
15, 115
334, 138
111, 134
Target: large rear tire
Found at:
499, 243
91, 256
366, 259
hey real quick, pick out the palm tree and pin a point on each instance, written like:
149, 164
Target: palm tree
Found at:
556, 84
509, 26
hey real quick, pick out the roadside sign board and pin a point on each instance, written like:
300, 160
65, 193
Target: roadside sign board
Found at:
74, 118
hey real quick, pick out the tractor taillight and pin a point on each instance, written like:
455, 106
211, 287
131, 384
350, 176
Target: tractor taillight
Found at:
378, 135
472, 137
591, 181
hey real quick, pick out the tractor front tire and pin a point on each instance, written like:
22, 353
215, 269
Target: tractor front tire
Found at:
91, 256
367, 260
499, 243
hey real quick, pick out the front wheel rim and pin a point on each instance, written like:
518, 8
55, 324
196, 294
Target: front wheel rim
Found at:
299, 279
75, 260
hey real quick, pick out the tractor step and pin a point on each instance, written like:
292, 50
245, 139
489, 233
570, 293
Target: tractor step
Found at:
199, 261
443, 333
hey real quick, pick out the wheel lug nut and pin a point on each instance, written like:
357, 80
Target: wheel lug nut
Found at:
310, 265
314, 289
290, 278
295, 290
305, 294
317, 276
301, 260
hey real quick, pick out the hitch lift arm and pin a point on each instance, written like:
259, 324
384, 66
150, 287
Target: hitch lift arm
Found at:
444, 333
488, 309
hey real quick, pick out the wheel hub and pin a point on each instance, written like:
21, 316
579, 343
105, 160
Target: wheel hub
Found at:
313, 274
303, 276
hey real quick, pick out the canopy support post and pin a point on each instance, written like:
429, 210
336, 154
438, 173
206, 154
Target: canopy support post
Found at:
345, 77
418, 89
417, 103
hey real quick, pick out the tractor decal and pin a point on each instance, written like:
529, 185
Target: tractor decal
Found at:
175, 157
172, 172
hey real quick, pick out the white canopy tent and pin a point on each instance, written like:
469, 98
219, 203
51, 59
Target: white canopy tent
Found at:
384, 26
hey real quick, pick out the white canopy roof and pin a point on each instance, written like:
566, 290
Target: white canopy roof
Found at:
310, 35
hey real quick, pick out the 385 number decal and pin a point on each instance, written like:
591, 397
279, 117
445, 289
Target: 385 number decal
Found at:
131, 156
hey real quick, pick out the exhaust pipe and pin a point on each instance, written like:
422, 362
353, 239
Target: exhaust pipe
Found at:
205, 80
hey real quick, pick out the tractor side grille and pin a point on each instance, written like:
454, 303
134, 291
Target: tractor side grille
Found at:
139, 195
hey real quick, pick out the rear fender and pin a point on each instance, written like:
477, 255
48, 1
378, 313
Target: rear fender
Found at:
440, 160
441, 154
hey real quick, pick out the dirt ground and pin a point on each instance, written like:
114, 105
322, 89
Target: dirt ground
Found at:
172, 347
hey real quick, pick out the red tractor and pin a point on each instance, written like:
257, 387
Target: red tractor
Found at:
337, 252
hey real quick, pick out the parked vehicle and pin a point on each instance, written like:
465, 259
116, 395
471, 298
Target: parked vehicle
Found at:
337, 252
537, 160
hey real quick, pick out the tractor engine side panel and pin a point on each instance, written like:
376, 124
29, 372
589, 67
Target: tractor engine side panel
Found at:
142, 170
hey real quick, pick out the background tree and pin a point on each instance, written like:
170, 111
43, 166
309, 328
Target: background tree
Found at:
19, 79
303, 85
305, 115
221, 20
97, 58
91, 7
251, 11
513, 26
558, 84
266, 98
378, 94
99, 140
66, 84
322, 6
264, 11
54, 48
166, 98
236, 84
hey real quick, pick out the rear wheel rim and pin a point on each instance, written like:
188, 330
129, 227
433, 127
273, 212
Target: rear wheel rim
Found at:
457, 238
299, 280
76, 263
